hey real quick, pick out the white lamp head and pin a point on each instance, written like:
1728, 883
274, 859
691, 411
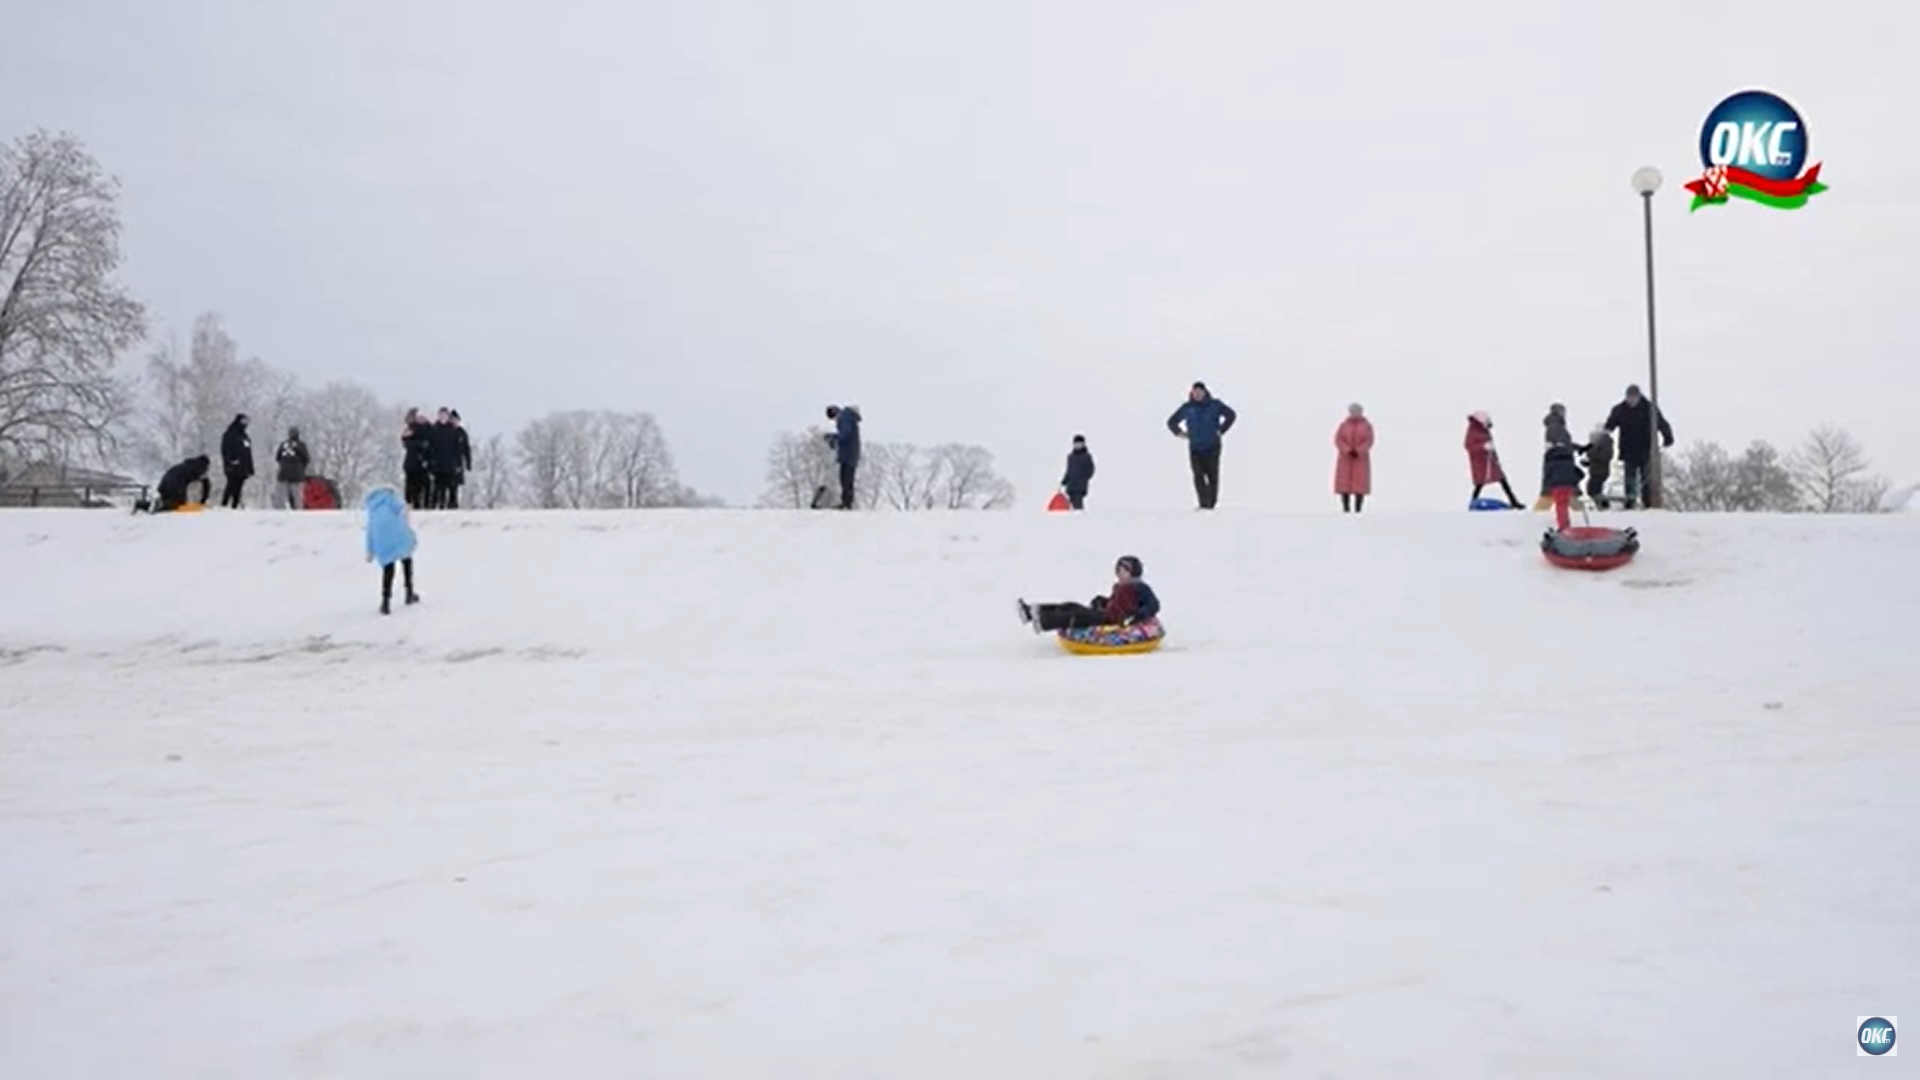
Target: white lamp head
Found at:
1646, 180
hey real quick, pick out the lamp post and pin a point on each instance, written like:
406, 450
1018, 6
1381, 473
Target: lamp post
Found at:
1646, 181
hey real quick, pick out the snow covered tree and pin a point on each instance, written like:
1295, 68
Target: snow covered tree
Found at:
1830, 469
351, 435
798, 464
64, 320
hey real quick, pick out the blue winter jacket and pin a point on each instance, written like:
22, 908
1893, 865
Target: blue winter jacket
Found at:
389, 537
1207, 420
846, 442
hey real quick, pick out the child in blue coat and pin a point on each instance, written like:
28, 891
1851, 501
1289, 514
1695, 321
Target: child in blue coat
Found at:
390, 540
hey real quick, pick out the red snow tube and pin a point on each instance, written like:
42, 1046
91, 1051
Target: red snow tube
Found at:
1588, 548
319, 493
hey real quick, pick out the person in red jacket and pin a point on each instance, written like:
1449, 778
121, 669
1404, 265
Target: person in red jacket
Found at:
1131, 601
1483, 459
1353, 469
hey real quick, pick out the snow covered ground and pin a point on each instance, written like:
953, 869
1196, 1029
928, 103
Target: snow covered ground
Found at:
738, 794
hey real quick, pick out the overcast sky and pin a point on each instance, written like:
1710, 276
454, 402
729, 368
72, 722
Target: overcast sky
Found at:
1004, 223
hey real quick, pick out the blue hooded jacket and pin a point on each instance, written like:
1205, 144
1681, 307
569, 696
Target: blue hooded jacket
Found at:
1207, 420
846, 440
389, 537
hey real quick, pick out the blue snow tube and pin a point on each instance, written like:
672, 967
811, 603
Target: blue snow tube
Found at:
1484, 503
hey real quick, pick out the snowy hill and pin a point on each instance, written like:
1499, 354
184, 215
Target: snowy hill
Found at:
755, 794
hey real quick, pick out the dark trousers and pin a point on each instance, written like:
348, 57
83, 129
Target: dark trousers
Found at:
1505, 487
236, 484
386, 578
1597, 487
1067, 616
1206, 476
1351, 503
419, 488
1077, 499
847, 471
1636, 483
446, 491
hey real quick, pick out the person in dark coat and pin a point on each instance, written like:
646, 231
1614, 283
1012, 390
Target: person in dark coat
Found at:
845, 440
451, 458
236, 456
416, 438
1633, 419
1079, 473
1131, 601
1599, 462
292, 459
174, 484
1207, 419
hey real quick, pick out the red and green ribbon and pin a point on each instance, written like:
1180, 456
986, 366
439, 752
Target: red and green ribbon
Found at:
1730, 181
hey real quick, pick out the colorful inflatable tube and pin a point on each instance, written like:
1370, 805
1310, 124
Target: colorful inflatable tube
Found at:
1140, 637
1589, 548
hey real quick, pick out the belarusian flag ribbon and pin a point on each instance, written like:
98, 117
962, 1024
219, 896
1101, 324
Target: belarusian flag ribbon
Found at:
1723, 181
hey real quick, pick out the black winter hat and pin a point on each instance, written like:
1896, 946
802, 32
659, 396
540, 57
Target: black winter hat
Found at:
1079, 440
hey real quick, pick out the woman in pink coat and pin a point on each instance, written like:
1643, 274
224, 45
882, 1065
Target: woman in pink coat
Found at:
1483, 459
1353, 469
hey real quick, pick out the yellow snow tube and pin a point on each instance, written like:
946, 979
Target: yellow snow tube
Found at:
189, 508
1141, 637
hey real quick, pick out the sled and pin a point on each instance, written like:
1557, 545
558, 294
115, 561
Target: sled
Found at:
1058, 502
1484, 503
188, 508
1587, 547
319, 493
1141, 637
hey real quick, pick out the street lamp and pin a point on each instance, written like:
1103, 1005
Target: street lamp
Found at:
1646, 181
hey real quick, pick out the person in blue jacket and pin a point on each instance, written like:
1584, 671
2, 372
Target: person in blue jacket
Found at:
845, 440
1079, 473
1207, 419
390, 539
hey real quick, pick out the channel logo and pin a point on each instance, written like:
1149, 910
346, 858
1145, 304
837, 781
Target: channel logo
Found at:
1874, 1037
1754, 146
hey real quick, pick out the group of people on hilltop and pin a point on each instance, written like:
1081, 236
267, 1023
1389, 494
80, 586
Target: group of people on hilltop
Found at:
438, 456
1566, 462
1203, 420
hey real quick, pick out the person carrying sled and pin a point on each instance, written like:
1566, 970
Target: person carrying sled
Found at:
292, 459
1207, 419
173, 485
845, 441
1131, 601
390, 540
1079, 473
1484, 460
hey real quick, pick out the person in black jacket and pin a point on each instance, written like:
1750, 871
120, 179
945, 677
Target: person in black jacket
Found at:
292, 459
452, 456
1633, 418
236, 456
417, 440
1079, 473
173, 485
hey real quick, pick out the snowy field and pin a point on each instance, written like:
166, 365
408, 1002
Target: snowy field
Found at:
737, 794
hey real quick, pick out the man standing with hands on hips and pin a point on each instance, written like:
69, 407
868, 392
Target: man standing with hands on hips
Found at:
1207, 419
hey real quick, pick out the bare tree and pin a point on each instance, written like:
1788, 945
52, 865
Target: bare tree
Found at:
640, 467
64, 321
967, 480
493, 475
1762, 482
542, 447
349, 432
1830, 470
799, 463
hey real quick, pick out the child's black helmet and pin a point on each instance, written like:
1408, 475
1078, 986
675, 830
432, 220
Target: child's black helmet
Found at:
1131, 564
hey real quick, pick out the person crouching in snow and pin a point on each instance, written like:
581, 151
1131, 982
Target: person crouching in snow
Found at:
1131, 601
390, 540
1079, 473
1560, 474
